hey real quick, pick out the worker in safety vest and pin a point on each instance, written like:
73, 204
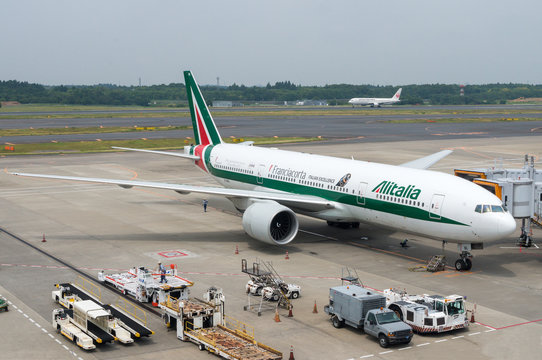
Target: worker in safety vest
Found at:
162, 271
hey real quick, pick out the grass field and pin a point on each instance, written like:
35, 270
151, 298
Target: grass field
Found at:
142, 112
85, 130
105, 146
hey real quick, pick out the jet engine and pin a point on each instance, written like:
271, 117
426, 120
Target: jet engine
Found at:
270, 222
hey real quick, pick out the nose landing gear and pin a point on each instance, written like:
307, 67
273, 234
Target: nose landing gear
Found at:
464, 263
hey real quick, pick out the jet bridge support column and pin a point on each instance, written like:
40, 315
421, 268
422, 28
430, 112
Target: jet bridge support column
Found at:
526, 231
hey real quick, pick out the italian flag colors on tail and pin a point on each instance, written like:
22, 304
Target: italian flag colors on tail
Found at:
205, 131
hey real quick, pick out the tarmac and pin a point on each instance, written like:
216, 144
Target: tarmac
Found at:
93, 227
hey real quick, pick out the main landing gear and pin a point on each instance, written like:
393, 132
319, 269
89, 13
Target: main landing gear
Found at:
343, 225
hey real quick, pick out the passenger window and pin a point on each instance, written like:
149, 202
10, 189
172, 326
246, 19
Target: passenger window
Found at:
487, 208
478, 208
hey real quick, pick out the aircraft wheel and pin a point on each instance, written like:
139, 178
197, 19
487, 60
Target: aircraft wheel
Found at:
460, 265
468, 264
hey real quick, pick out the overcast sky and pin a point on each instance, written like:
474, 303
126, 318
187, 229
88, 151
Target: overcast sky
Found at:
391, 42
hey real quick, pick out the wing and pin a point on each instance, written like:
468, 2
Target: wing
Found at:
306, 202
186, 156
425, 162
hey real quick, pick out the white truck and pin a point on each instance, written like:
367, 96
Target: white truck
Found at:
145, 286
291, 291
428, 313
203, 322
362, 308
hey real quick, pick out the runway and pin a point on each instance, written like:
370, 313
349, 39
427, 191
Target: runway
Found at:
92, 226
364, 127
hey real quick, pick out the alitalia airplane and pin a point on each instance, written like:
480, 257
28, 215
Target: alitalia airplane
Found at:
271, 186
376, 101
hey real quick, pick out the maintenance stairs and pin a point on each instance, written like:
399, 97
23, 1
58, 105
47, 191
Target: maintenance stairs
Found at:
263, 272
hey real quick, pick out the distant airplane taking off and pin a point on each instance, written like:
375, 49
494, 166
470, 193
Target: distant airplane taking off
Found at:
270, 186
376, 101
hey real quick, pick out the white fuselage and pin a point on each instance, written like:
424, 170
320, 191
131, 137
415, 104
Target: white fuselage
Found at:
423, 202
372, 101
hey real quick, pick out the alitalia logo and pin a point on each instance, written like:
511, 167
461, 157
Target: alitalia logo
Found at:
391, 188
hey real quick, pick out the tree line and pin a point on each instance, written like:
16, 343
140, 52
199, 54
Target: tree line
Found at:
175, 93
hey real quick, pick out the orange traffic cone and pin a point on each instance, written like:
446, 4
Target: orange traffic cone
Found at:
472, 317
290, 311
43, 240
277, 317
291, 353
287, 257
315, 310
236, 250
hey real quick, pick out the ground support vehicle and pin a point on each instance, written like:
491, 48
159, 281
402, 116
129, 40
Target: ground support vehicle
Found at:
145, 286
266, 282
86, 316
364, 309
203, 322
428, 313
62, 322
4, 306
118, 323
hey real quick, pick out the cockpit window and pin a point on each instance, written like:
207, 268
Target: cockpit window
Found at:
496, 208
489, 208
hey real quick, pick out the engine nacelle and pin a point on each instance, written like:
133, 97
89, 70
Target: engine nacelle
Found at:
270, 222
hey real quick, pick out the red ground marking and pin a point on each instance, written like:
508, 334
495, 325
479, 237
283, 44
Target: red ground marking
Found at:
172, 254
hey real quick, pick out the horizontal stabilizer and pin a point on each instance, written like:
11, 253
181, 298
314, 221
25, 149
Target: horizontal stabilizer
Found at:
186, 156
426, 162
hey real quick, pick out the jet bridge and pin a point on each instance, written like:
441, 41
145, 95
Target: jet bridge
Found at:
519, 189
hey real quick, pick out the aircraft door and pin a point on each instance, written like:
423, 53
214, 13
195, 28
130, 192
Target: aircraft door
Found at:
261, 169
436, 206
362, 192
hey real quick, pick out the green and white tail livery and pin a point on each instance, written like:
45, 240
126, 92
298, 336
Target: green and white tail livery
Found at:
205, 131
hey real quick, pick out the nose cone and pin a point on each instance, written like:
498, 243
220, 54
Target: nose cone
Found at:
507, 226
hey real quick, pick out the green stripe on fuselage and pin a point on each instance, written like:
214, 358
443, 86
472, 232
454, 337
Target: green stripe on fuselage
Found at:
343, 198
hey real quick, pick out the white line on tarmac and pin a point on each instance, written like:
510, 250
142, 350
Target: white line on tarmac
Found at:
385, 352
58, 341
26, 316
443, 340
14, 306
406, 348
366, 356
490, 330
51, 336
316, 234
19, 310
43, 329
65, 347
38, 325
31, 320
458, 337
424, 344
476, 333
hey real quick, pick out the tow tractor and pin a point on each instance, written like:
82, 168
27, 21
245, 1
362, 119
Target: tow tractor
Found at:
145, 286
4, 305
428, 313
203, 322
